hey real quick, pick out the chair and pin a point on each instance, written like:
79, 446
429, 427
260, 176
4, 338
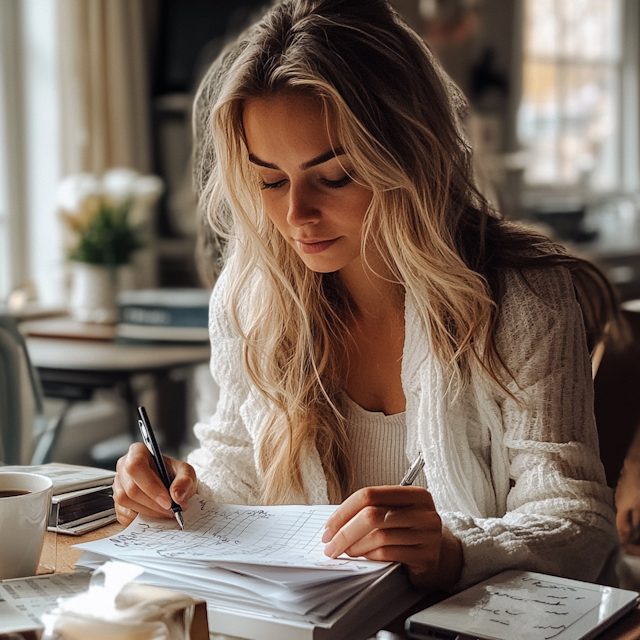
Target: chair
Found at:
26, 437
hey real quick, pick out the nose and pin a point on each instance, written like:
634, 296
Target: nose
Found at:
303, 208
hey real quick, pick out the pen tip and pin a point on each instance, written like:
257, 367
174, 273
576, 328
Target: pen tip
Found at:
180, 520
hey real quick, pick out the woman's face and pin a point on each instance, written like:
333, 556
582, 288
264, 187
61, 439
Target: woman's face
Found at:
305, 181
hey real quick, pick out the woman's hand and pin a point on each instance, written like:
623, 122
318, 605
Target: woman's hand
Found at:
398, 524
137, 487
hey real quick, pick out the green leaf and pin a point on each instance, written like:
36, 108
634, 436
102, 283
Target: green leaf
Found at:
109, 239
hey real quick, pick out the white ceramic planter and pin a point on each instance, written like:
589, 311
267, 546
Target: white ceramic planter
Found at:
94, 293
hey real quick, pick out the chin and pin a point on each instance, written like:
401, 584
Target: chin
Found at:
320, 268
325, 263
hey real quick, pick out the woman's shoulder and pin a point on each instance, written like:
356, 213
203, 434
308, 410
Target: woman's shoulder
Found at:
535, 302
539, 324
549, 287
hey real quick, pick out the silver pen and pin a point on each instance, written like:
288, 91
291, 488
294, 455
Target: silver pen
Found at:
412, 473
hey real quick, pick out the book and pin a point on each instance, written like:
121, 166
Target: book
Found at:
84, 525
180, 315
82, 496
262, 571
75, 507
523, 605
68, 477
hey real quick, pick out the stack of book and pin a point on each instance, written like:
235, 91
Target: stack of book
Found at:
82, 496
173, 315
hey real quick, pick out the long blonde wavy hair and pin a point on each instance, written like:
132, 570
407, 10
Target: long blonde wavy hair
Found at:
396, 114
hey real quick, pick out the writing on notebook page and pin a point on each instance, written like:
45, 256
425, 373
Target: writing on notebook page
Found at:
527, 608
282, 535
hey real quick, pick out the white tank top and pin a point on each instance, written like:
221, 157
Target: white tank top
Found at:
378, 445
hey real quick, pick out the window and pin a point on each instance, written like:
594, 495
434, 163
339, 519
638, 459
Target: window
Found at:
572, 95
30, 232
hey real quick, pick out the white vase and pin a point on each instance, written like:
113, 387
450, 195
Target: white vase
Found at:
94, 293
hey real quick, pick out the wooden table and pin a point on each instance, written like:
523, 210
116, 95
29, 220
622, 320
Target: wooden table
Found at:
73, 368
66, 557
626, 629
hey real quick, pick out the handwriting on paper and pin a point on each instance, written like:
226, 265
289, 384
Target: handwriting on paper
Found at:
527, 608
281, 535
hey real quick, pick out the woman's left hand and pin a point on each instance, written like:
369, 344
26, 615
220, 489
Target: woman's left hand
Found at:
398, 524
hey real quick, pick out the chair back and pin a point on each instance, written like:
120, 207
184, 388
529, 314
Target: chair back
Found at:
22, 421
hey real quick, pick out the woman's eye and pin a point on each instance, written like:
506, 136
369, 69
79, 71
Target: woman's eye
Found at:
271, 185
337, 184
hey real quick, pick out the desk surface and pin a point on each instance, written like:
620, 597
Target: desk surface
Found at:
66, 557
626, 629
92, 355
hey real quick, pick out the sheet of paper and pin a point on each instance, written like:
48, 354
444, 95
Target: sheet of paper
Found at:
288, 536
36, 595
13, 620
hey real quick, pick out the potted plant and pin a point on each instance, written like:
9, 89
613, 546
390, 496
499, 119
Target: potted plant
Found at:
104, 215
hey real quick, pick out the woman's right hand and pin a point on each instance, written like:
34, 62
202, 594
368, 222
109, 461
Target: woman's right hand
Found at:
137, 487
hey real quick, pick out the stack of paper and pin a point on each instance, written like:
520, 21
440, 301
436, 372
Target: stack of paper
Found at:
264, 561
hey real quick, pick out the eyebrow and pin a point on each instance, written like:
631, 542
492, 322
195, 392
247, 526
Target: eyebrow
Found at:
314, 162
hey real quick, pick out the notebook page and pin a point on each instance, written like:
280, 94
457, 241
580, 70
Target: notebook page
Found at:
526, 606
286, 536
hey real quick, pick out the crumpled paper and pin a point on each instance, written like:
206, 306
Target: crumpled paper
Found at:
115, 608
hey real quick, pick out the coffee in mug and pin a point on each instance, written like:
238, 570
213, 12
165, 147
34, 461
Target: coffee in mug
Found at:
25, 502
11, 494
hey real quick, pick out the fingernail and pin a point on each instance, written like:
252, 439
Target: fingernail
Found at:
330, 549
164, 502
179, 495
327, 535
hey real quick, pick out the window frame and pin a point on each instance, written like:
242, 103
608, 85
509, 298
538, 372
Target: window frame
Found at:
627, 112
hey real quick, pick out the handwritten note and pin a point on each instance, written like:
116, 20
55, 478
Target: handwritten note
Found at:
523, 605
544, 609
283, 536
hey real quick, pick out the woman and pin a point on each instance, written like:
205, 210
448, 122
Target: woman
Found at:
372, 308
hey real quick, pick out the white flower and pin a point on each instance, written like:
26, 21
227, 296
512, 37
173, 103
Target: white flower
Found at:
73, 191
119, 184
148, 189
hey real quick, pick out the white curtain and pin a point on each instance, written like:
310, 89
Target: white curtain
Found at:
105, 85
105, 110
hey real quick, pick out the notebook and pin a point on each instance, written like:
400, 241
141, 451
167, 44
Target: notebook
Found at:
526, 606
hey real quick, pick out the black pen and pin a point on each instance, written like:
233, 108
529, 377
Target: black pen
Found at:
149, 439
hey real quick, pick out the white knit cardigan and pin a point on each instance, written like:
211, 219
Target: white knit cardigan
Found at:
520, 484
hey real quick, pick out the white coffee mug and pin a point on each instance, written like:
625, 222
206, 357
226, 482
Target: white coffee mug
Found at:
23, 521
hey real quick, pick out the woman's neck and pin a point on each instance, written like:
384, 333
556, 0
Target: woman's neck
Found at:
374, 294
376, 341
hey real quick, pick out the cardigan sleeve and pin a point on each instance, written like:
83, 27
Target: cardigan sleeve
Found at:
224, 463
559, 515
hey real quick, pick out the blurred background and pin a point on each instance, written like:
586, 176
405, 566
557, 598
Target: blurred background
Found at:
87, 86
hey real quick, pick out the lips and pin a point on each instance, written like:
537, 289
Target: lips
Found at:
314, 246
